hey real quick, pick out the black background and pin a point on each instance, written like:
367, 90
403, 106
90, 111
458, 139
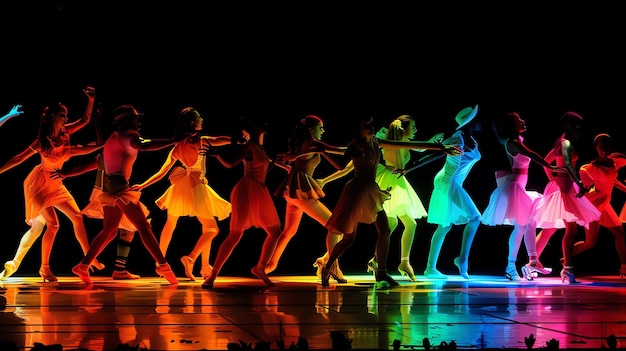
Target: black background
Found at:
283, 61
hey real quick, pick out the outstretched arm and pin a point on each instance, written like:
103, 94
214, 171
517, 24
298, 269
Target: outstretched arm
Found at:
338, 174
170, 161
19, 158
14, 112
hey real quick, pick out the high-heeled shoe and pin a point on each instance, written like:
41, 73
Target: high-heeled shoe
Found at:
10, 267
462, 267
372, 265
325, 276
82, 271
164, 270
566, 273
532, 269
406, 270
206, 270
319, 264
260, 273
188, 264
622, 271
97, 265
209, 281
46, 273
384, 280
336, 273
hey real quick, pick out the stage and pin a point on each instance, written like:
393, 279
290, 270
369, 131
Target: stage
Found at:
483, 312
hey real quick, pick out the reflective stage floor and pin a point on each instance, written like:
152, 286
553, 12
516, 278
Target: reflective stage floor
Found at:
483, 312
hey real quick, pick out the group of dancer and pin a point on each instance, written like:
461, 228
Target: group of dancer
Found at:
379, 193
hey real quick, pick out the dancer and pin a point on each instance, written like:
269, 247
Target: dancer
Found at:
126, 230
302, 192
563, 204
361, 199
404, 203
252, 203
14, 112
120, 152
189, 193
450, 204
600, 176
44, 195
510, 203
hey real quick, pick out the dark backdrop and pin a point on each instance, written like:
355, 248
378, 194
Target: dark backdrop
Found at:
284, 61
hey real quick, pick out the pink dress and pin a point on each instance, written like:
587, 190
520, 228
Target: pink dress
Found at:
559, 203
300, 183
252, 203
189, 193
361, 198
41, 190
510, 202
602, 178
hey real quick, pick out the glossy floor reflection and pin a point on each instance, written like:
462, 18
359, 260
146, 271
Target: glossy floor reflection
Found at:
483, 312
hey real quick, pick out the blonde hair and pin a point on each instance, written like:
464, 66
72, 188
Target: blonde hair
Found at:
398, 127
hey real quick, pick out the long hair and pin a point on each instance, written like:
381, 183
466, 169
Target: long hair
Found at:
46, 126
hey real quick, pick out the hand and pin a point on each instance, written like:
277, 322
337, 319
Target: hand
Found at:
15, 111
90, 92
57, 174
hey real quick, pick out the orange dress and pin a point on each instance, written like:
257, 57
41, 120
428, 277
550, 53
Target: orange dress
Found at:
41, 190
189, 193
252, 203
361, 198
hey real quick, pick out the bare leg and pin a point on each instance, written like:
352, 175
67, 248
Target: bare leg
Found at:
167, 232
436, 242
269, 245
469, 232
226, 248
293, 215
543, 238
26, 242
591, 238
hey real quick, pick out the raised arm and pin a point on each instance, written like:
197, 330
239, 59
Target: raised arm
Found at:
72, 127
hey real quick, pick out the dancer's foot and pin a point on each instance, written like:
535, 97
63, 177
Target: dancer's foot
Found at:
433, 273
406, 270
260, 273
123, 275
462, 266
384, 280
10, 267
82, 271
188, 264
206, 270
46, 273
164, 270
511, 273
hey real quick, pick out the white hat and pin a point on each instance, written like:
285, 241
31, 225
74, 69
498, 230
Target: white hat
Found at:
465, 116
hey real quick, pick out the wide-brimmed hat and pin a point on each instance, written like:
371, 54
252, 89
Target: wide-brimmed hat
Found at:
465, 116
124, 112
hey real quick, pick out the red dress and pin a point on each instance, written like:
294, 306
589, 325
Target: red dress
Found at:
252, 203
